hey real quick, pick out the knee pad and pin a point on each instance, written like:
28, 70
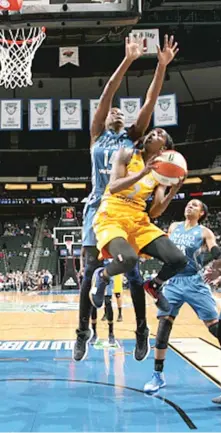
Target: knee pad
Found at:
107, 300
109, 309
128, 262
117, 295
214, 329
163, 333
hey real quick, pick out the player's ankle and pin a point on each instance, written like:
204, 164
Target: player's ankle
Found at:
159, 365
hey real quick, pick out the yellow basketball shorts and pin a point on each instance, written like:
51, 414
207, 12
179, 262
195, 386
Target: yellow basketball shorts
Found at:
135, 227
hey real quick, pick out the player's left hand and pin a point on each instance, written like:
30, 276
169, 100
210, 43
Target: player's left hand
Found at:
169, 51
213, 272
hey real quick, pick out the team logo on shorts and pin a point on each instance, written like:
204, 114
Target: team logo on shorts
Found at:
41, 107
70, 107
130, 106
11, 108
164, 104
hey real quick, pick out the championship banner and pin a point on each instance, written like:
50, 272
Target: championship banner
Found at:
93, 107
70, 114
11, 114
165, 111
40, 114
130, 107
68, 55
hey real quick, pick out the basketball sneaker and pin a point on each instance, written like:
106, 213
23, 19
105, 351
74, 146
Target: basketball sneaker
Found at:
94, 339
82, 343
217, 400
156, 292
120, 318
104, 318
98, 286
142, 348
157, 382
111, 340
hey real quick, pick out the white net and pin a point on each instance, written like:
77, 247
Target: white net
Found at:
17, 50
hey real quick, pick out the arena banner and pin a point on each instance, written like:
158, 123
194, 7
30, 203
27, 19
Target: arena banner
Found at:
40, 115
11, 114
165, 111
151, 40
93, 107
69, 55
130, 108
70, 114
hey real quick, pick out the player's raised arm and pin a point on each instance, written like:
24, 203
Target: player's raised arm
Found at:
119, 179
164, 58
161, 200
133, 50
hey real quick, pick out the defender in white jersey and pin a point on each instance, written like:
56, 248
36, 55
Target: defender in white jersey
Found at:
193, 239
108, 134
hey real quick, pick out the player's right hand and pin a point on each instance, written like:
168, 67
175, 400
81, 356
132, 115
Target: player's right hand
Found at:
134, 47
150, 165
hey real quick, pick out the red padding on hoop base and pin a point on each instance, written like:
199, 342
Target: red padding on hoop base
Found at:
11, 5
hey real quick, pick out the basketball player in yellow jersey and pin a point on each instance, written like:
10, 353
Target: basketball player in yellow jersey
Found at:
123, 228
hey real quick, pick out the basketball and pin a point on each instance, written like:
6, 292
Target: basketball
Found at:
170, 167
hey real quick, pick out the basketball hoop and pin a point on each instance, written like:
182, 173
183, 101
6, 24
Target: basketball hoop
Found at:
17, 51
69, 247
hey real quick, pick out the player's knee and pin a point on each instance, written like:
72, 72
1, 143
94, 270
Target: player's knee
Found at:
109, 309
107, 300
117, 295
129, 261
163, 332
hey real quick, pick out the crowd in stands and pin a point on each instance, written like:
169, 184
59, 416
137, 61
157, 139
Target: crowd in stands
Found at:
25, 281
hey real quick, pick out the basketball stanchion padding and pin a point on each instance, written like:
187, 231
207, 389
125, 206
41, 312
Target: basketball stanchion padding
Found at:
17, 50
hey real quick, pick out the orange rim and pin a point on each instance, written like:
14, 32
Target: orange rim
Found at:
28, 41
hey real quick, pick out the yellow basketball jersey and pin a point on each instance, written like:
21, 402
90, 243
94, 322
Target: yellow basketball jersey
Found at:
136, 195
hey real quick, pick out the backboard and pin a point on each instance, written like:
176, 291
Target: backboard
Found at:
63, 15
60, 234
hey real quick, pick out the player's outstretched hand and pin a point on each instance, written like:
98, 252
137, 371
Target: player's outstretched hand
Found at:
175, 188
169, 51
134, 47
213, 272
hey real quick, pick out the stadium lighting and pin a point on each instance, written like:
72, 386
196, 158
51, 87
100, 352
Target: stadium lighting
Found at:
16, 186
40, 186
216, 177
74, 185
191, 180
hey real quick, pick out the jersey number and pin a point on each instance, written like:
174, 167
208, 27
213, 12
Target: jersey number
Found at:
108, 159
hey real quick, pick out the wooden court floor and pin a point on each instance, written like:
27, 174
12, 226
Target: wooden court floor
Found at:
52, 316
